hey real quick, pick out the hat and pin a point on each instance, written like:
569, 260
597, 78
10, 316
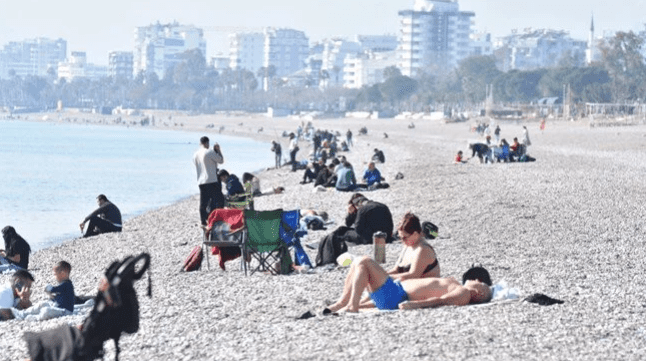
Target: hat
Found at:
430, 230
477, 273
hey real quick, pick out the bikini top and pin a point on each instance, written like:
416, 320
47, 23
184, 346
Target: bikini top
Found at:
430, 267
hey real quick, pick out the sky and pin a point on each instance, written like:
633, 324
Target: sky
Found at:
98, 27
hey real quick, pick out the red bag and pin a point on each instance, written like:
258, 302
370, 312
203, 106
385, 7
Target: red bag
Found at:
194, 260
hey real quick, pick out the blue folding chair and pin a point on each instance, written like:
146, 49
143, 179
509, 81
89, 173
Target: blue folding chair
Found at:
290, 234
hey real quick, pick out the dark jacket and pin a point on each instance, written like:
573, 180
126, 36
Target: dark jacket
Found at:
234, 186
370, 218
17, 245
107, 211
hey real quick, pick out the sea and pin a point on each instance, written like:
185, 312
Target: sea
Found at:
51, 173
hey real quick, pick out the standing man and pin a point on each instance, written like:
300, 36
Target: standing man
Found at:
206, 162
275, 147
348, 138
106, 218
293, 149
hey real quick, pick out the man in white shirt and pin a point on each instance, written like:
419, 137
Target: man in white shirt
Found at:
293, 149
206, 162
15, 294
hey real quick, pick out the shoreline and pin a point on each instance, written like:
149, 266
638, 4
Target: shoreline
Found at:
567, 225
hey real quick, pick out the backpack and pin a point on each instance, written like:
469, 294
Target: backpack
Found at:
331, 247
430, 230
194, 260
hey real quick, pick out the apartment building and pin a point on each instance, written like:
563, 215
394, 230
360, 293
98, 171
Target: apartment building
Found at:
286, 50
367, 68
159, 47
120, 64
247, 51
539, 48
76, 66
32, 57
434, 34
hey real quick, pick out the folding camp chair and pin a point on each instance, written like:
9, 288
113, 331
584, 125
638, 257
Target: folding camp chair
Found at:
242, 201
226, 234
290, 234
263, 239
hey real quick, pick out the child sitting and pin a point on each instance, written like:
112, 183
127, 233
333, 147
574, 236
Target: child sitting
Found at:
458, 158
62, 303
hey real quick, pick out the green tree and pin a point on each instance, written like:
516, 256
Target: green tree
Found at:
475, 73
625, 64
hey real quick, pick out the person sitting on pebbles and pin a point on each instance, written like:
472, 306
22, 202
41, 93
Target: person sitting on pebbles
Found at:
388, 294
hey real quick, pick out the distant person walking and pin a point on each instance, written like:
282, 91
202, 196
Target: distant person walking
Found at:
542, 125
526, 140
348, 138
278, 152
106, 218
496, 133
206, 162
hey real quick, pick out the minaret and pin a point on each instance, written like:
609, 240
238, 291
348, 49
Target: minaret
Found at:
589, 54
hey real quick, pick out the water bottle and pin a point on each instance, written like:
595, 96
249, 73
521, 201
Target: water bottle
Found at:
379, 247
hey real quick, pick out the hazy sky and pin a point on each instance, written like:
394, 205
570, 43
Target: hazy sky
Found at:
98, 26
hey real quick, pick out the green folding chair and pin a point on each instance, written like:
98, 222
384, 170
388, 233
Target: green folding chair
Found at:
263, 242
243, 201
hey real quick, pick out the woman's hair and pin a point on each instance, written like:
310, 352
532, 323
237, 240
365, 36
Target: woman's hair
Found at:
247, 177
12, 239
410, 224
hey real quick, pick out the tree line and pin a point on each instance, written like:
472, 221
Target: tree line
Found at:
619, 77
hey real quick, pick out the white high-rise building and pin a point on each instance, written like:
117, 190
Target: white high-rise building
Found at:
32, 57
367, 69
286, 50
159, 47
434, 33
120, 64
247, 51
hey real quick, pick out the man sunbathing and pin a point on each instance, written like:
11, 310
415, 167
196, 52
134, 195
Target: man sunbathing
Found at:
424, 292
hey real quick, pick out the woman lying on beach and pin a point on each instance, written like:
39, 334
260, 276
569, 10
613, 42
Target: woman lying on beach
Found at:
388, 294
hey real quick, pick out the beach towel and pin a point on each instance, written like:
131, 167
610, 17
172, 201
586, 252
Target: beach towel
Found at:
47, 310
235, 219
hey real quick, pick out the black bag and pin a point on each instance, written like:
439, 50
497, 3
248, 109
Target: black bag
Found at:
331, 247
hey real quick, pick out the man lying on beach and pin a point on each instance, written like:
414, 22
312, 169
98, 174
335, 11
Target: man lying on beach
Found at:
409, 294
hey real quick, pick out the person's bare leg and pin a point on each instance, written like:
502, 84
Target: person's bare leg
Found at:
368, 274
347, 287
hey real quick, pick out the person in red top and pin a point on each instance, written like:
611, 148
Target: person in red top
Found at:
458, 158
514, 149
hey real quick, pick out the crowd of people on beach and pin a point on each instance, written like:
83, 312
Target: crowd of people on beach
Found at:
499, 150
414, 281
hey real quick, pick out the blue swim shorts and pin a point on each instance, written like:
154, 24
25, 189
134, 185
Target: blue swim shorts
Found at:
389, 295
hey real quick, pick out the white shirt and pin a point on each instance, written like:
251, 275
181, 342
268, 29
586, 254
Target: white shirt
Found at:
293, 144
7, 300
206, 164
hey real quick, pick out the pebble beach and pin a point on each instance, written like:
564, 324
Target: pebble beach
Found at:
570, 226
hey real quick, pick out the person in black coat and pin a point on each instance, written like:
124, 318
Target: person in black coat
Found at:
364, 218
16, 249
